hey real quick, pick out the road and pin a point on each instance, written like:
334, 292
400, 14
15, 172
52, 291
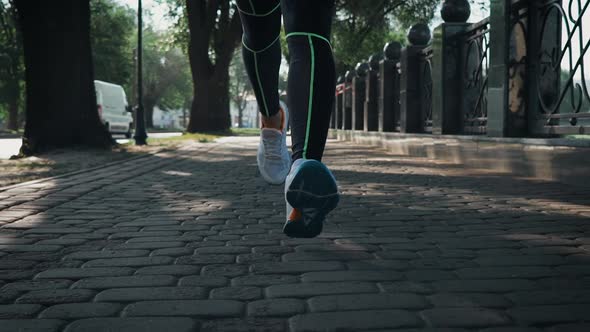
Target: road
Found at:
10, 146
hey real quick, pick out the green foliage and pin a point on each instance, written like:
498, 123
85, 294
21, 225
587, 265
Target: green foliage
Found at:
166, 73
3, 115
113, 32
11, 61
179, 36
415, 11
362, 28
167, 77
239, 83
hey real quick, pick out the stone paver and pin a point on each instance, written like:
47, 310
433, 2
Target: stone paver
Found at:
45, 325
151, 293
128, 281
191, 240
81, 310
52, 296
11, 311
204, 308
276, 307
354, 320
367, 301
465, 317
179, 324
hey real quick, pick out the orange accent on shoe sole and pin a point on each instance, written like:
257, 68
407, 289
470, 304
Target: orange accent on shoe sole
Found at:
295, 215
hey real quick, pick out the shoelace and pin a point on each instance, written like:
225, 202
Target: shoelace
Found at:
272, 148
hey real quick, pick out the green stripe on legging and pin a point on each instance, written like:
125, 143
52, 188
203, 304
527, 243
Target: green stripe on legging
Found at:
262, 50
252, 6
256, 69
311, 81
260, 85
310, 102
259, 15
310, 34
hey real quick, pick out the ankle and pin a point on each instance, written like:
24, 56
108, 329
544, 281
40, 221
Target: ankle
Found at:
273, 121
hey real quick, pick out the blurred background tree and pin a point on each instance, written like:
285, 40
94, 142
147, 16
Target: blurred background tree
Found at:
240, 87
167, 80
362, 28
204, 36
113, 36
209, 33
11, 67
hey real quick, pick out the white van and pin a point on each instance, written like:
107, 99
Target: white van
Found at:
113, 109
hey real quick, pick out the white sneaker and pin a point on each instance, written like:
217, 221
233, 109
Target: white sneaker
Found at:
274, 159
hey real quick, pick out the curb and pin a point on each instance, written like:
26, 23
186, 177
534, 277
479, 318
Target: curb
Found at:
394, 136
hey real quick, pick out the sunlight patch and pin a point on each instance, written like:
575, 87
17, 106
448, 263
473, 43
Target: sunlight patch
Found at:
177, 173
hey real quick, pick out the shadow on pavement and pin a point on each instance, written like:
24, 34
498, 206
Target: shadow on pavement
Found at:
426, 240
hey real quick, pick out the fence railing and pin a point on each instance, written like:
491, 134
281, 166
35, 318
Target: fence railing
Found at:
425, 93
523, 71
476, 47
562, 98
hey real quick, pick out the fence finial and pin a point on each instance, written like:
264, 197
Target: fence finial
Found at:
349, 75
419, 34
361, 69
392, 50
455, 11
374, 61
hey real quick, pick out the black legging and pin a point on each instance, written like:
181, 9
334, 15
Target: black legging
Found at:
312, 80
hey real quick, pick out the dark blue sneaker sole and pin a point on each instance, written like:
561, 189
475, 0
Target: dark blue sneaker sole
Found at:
315, 192
313, 187
310, 225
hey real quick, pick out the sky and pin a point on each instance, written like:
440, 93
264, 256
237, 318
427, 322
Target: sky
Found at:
154, 13
576, 47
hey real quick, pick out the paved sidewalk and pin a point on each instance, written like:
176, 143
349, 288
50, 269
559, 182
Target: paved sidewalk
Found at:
191, 240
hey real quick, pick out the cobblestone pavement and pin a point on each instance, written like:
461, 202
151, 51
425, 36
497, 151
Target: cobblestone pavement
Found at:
191, 240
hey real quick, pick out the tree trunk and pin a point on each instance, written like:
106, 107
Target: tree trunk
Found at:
13, 114
240, 117
60, 97
210, 107
149, 114
211, 27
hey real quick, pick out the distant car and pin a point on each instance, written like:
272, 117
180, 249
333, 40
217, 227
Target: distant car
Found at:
113, 110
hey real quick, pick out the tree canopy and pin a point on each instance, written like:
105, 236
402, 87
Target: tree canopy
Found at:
362, 28
11, 66
113, 33
167, 81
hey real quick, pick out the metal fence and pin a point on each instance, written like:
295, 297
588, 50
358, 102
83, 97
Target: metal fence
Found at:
560, 82
523, 71
475, 62
425, 93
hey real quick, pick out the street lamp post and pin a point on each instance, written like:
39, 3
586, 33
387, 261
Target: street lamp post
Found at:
140, 132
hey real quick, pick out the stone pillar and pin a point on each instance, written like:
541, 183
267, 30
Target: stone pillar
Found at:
347, 116
371, 112
336, 122
448, 72
389, 87
358, 95
410, 97
507, 80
